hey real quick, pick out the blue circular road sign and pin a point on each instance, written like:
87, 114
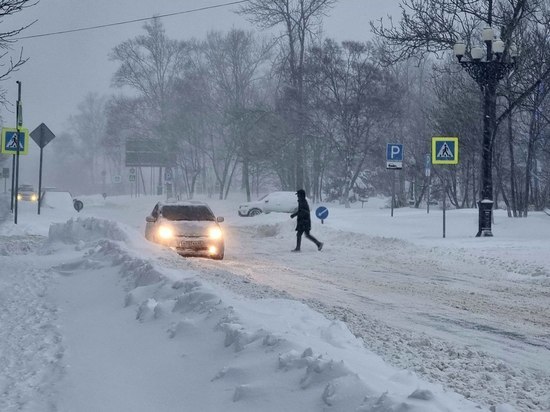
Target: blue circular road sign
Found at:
78, 205
321, 212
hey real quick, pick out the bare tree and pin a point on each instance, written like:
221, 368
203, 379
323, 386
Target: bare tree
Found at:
359, 96
193, 120
89, 128
8, 63
82, 148
234, 64
151, 64
299, 19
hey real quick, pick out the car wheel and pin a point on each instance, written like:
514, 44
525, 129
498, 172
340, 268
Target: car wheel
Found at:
254, 212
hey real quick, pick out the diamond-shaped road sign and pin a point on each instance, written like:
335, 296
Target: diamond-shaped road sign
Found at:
42, 135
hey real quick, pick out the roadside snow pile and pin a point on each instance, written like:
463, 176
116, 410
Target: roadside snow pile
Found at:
4, 207
19, 245
85, 229
58, 200
268, 230
256, 367
30, 341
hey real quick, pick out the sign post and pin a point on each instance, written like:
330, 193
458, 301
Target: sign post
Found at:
428, 172
168, 178
41, 136
394, 160
16, 141
133, 181
444, 152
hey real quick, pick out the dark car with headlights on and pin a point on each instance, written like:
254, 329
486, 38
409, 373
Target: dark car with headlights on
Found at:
189, 227
27, 193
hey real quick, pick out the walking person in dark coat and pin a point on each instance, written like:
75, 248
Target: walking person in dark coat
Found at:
303, 223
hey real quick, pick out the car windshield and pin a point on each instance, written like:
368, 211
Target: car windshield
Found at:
26, 188
187, 213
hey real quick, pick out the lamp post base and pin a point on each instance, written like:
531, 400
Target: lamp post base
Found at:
485, 218
485, 233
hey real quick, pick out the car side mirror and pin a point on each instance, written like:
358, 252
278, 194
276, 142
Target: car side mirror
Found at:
219, 219
150, 219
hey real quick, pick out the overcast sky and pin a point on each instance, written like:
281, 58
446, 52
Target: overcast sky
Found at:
64, 68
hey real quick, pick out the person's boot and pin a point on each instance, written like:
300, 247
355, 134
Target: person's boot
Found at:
298, 244
320, 246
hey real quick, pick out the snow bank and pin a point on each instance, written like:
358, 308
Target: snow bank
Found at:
4, 206
85, 229
262, 365
58, 200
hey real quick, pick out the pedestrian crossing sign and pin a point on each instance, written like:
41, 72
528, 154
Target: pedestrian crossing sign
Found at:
444, 150
10, 137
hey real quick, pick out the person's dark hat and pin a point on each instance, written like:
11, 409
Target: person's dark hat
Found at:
301, 192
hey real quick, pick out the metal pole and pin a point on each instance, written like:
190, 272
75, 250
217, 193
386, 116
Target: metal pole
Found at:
429, 193
392, 192
40, 179
12, 181
428, 171
444, 204
18, 123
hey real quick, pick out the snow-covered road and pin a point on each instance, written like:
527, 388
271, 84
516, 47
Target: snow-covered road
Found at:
409, 304
482, 303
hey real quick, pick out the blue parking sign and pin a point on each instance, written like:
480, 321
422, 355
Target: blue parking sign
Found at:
394, 156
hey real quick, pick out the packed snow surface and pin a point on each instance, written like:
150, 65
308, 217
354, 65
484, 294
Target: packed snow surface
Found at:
389, 316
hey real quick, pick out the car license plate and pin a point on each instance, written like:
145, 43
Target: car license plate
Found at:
191, 244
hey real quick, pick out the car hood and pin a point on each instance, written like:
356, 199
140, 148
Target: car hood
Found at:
191, 228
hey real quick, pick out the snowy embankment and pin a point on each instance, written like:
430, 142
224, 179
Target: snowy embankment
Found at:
90, 322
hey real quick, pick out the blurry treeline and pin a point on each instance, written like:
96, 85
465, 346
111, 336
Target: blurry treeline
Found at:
252, 114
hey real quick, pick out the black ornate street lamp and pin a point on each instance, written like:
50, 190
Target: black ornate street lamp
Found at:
487, 72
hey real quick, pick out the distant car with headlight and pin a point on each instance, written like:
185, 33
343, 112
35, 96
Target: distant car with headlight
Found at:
189, 227
285, 202
27, 193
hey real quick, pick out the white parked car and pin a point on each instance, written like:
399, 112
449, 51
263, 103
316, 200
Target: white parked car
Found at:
285, 202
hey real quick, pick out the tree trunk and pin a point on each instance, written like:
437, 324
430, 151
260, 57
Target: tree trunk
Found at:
529, 165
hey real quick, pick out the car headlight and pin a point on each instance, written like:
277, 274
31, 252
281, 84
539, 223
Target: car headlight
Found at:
166, 232
215, 233
34, 198
19, 196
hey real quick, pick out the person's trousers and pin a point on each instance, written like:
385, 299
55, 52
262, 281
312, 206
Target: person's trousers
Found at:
299, 238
